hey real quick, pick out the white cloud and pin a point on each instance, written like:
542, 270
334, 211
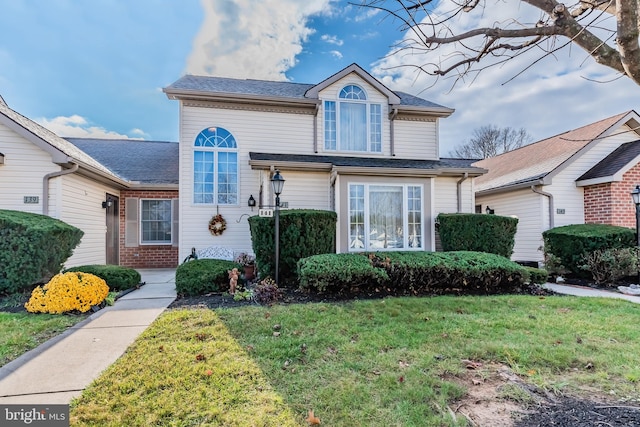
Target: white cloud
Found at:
551, 97
368, 13
336, 54
252, 38
331, 39
76, 126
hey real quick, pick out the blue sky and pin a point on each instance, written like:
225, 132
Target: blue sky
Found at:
97, 68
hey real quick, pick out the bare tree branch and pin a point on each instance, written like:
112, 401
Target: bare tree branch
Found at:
584, 23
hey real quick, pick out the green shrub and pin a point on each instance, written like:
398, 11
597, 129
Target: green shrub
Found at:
32, 248
303, 233
339, 272
536, 276
118, 278
202, 276
480, 233
412, 273
571, 243
610, 265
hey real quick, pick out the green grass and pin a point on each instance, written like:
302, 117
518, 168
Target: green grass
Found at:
21, 332
374, 363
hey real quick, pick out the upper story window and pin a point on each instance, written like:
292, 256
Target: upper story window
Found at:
215, 167
352, 123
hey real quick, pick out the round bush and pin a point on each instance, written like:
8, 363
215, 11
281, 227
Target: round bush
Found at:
73, 291
118, 278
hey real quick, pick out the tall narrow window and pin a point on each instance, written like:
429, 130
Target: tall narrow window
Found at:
385, 217
215, 167
353, 123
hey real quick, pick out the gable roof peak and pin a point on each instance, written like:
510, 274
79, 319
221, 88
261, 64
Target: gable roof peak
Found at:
313, 91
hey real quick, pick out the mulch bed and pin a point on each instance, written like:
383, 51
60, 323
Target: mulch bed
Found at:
570, 412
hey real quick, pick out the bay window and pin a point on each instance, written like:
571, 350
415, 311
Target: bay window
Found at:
385, 217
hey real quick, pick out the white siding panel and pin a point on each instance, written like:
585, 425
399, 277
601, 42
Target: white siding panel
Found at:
530, 209
21, 175
80, 204
571, 198
445, 195
305, 190
416, 140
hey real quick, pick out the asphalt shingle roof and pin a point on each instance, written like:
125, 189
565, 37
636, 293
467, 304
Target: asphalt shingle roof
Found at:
614, 162
535, 161
266, 88
147, 162
441, 164
52, 139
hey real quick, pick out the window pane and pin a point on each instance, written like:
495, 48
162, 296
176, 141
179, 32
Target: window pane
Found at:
385, 217
376, 127
414, 221
156, 221
227, 177
352, 92
329, 125
353, 126
356, 217
202, 175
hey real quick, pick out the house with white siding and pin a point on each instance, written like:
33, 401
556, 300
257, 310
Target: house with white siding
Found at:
82, 183
580, 176
347, 144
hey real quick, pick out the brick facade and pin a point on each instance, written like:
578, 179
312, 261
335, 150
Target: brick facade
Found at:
610, 203
146, 256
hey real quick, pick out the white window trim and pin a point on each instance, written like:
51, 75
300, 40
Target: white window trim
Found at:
141, 233
337, 100
405, 219
215, 151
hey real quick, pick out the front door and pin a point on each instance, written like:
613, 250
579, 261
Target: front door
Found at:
113, 228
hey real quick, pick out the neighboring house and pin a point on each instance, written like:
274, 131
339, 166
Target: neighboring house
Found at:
581, 176
347, 144
43, 173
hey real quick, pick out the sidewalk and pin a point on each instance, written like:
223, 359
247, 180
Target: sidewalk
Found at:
58, 370
582, 291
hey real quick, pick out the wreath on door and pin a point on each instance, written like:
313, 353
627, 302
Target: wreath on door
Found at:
217, 225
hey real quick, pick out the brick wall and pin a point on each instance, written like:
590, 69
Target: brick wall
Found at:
611, 203
146, 256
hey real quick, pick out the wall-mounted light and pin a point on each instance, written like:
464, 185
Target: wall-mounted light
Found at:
251, 202
107, 204
490, 211
1, 159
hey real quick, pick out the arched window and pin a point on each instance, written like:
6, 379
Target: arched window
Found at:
215, 167
352, 123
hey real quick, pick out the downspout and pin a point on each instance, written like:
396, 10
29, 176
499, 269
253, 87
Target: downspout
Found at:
459, 189
315, 128
550, 196
392, 116
45, 185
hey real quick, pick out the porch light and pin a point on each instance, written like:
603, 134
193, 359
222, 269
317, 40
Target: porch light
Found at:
1, 159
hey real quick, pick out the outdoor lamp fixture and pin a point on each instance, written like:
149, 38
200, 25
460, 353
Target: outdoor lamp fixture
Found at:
277, 183
252, 202
107, 204
1, 159
489, 211
635, 195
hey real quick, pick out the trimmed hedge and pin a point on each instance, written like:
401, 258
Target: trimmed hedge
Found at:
339, 271
480, 233
118, 278
571, 243
410, 273
33, 248
202, 276
303, 232
536, 276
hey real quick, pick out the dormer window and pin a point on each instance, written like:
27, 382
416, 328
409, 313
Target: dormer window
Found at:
352, 123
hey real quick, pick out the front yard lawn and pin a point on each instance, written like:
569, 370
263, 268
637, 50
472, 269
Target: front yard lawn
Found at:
24, 331
389, 362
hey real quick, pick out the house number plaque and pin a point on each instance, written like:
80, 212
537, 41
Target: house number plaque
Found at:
31, 199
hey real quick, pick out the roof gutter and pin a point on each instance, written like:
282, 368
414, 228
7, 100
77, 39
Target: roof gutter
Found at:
459, 190
45, 184
509, 187
550, 196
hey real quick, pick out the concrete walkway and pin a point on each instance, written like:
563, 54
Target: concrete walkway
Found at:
58, 370
581, 291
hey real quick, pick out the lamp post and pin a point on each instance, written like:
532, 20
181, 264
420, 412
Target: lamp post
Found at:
277, 183
635, 195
